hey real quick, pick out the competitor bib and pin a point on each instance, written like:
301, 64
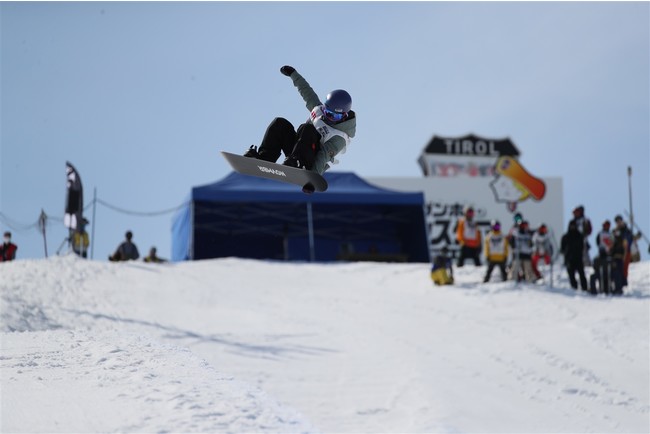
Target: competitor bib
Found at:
326, 131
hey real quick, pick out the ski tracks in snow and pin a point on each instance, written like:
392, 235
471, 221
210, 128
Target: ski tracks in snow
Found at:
121, 383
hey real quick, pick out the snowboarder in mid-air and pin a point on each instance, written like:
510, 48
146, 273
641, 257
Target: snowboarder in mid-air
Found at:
316, 142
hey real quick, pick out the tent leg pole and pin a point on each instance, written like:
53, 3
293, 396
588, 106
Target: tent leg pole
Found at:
191, 246
310, 223
92, 238
285, 242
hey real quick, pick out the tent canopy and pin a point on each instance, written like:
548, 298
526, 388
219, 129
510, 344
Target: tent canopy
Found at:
260, 218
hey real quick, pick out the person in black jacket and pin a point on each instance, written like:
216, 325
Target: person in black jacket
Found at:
618, 252
572, 245
126, 251
583, 224
7, 249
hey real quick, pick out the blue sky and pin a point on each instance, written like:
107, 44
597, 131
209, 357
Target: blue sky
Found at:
141, 97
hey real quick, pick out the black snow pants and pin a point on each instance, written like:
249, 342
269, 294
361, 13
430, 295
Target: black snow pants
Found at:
502, 269
576, 267
469, 253
281, 136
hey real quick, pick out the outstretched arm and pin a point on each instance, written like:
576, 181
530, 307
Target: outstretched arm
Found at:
305, 90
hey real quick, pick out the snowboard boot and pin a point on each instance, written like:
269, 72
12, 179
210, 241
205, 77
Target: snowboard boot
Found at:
293, 162
252, 152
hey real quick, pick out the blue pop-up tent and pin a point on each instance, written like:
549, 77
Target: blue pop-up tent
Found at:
251, 217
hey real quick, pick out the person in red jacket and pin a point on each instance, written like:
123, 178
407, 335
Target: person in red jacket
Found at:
7, 249
468, 236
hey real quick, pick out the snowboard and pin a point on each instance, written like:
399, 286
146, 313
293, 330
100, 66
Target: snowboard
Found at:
308, 180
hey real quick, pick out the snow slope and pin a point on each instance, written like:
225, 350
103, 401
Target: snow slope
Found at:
237, 345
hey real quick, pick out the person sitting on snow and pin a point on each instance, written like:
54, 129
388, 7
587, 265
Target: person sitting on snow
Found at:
441, 271
126, 251
153, 257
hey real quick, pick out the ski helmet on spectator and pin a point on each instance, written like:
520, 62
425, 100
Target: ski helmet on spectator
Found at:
542, 229
495, 225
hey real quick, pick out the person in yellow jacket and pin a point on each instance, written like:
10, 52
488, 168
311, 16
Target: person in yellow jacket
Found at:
153, 257
496, 251
441, 271
80, 240
468, 236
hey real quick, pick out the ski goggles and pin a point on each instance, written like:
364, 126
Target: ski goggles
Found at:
333, 116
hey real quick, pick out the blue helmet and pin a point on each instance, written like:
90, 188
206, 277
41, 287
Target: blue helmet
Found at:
338, 101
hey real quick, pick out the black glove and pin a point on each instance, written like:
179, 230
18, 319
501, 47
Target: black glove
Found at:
287, 70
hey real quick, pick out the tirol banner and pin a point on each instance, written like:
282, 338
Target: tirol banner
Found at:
74, 202
487, 175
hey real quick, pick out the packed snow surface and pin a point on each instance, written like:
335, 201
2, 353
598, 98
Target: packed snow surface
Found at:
235, 345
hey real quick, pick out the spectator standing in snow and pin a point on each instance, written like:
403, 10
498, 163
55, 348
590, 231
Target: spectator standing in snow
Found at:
522, 252
572, 246
602, 269
496, 251
80, 240
542, 248
583, 224
126, 251
627, 234
441, 271
468, 236
7, 249
619, 250
604, 240
597, 278
516, 221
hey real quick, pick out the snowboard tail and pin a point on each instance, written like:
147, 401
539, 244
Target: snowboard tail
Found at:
308, 180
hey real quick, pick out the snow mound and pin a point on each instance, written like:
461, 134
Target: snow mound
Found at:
80, 381
235, 345
61, 374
